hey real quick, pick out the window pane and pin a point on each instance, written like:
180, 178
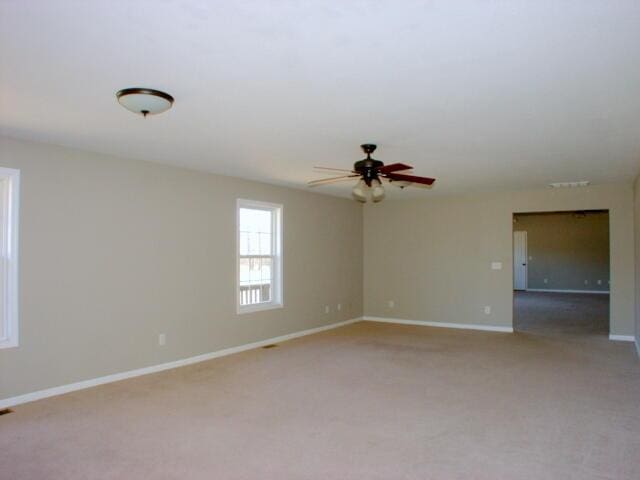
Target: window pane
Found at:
255, 220
253, 243
265, 271
244, 271
254, 271
255, 232
9, 180
244, 243
265, 292
255, 280
264, 240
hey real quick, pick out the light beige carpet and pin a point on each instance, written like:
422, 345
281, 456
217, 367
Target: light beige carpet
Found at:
367, 401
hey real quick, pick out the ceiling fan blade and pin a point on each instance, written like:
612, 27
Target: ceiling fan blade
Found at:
394, 167
410, 178
333, 169
323, 181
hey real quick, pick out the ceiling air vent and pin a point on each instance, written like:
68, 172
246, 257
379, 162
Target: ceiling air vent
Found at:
582, 183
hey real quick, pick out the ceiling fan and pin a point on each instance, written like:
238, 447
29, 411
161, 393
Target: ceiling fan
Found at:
371, 173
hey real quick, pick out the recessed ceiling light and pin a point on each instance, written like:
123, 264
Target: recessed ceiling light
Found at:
145, 101
582, 183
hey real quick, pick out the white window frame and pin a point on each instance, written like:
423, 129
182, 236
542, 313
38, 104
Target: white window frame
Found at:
277, 273
9, 254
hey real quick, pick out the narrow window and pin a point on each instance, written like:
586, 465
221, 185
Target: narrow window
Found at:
259, 280
9, 197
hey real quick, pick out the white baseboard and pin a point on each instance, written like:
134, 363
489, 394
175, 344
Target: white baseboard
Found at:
424, 323
622, 338
72, 387
553, 290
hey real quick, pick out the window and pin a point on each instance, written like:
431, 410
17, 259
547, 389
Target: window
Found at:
259, 256
9, 196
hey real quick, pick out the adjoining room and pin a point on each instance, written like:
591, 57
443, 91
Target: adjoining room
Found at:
561, 273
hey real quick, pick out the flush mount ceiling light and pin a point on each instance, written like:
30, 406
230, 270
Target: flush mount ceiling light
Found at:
144, 101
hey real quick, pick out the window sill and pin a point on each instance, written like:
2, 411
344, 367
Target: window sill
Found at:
10, 343
258, 307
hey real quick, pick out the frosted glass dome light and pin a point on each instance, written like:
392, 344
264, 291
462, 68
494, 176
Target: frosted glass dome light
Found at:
144, 101
377, 191
360, 191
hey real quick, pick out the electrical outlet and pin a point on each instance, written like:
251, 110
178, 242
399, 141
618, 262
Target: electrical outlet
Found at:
391, 303
487, 309
162, 339
339, 307
599, 282
326, 309
586, 282
546, 280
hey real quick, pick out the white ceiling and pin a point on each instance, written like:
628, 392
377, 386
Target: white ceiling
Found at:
479, 94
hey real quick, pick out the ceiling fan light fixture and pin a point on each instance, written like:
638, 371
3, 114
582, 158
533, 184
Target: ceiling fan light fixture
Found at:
144, 101
377, 191
360, 191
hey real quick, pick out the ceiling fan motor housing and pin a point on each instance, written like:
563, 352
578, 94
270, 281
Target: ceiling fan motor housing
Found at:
368, 169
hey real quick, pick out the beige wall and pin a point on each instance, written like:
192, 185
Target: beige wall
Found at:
114, 252
433, 256
567, 249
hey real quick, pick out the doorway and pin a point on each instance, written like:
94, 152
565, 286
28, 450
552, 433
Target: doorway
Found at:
561, 273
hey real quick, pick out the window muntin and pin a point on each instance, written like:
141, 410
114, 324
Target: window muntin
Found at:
259, 256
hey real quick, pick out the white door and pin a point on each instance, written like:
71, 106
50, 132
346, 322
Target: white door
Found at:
519, 260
